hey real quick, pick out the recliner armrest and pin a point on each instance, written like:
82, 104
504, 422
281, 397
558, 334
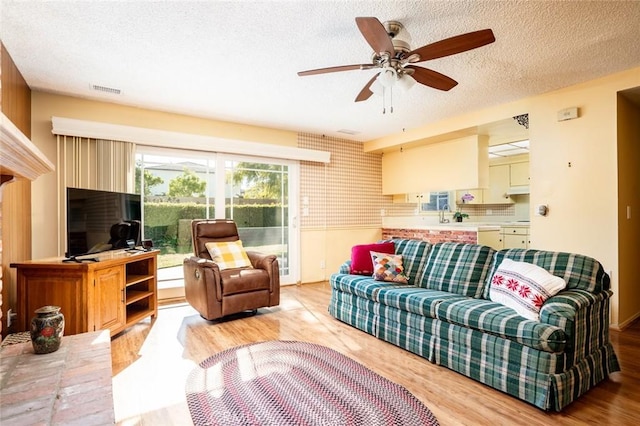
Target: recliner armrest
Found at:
268, 262
261, 260
203, 263
202, 276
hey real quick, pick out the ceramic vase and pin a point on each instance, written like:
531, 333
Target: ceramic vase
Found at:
47, 328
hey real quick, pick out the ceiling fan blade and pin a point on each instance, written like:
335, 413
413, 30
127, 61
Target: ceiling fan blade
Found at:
451, 46
335, 69
375, 34
432, 78
366, 92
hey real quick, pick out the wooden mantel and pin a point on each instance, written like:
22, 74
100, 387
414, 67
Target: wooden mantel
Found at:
19, 157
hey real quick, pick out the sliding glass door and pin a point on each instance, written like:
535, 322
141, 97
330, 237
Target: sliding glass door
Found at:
180, 186
259, 203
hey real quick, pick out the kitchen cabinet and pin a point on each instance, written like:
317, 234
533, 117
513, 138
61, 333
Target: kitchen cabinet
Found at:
515, 237
477, 196
413, 197
458, 163
519, 174
491, 238
499, 183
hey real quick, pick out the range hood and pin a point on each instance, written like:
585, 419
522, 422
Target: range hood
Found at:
518, 190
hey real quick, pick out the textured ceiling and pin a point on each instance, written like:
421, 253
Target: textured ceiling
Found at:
237, 60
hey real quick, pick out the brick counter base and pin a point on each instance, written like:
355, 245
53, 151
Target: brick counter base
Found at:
69, 386
431, 235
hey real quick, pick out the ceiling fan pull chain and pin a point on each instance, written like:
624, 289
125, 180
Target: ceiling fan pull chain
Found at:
384, 100
391, 99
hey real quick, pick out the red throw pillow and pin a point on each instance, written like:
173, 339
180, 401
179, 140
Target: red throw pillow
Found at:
361, 263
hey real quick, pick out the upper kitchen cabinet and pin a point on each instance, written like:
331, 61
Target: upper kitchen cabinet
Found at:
496, 193
464, 196
459, 163
499, 183
519, 174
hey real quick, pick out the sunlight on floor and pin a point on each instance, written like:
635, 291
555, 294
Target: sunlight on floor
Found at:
157, 379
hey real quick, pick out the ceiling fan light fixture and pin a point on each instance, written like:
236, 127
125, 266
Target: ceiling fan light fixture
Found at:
406, 82
387, 77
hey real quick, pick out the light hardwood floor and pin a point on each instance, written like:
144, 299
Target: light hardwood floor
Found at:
151, 361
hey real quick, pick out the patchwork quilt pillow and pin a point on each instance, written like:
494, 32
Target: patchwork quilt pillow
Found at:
229, 254
361, 263
388, 267
524, 287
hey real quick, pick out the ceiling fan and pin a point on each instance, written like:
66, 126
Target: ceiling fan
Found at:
394, 57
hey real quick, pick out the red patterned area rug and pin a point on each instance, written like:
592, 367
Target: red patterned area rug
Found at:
296, 383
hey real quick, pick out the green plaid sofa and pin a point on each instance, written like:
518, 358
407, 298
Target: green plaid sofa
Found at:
444, 314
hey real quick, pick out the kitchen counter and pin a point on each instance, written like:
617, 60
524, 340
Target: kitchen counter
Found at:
487, 233
458, 226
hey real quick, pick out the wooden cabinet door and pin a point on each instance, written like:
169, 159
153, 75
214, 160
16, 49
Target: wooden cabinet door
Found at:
519, 174
477, 196
492, 239
499, 183
515, 241
109, 299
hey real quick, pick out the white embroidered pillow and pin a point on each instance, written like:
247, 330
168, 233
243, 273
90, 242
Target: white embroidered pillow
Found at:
524, 287
228, 254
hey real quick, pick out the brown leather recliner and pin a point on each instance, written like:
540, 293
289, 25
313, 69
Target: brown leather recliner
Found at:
216, 293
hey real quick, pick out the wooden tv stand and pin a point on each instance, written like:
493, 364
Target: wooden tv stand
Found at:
113, 293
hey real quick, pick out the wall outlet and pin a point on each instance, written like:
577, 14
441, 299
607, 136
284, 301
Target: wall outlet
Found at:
322, 264
489, 212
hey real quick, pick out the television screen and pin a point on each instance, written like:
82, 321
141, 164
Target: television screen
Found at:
101, 220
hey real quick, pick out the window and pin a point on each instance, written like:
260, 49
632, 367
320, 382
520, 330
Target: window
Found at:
181, 186
437, 201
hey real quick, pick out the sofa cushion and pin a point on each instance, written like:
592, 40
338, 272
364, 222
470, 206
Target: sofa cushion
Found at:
578, 271
524, 287
414, 254
359, 285
415, 299
388, 267
491, 317
457, 268
361, 256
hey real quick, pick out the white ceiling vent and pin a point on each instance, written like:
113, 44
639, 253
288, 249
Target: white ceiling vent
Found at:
106, 89
348, 132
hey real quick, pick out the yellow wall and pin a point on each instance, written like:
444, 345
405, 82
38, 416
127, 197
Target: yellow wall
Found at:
332, 244
46, 105
573, 166
628, 195
582, 198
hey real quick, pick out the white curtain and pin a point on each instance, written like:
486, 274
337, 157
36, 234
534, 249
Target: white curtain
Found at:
92, 164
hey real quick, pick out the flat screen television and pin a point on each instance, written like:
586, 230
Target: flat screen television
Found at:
101, 220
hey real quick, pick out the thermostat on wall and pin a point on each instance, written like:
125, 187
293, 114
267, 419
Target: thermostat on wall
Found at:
568, 114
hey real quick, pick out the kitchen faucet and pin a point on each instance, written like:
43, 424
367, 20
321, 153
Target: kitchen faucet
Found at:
442, 210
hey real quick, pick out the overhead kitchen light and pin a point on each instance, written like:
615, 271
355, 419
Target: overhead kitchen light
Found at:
509, 149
